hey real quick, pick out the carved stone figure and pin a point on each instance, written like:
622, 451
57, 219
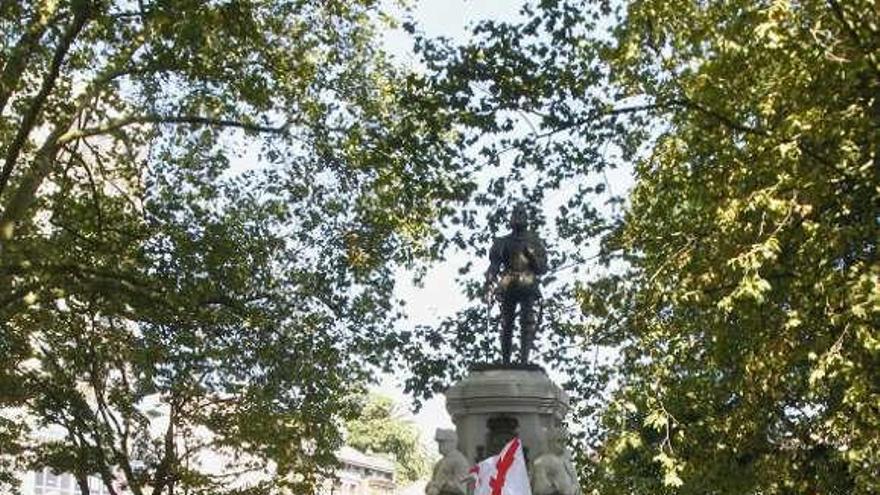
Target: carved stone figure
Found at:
450, 471
520, 258
552, 473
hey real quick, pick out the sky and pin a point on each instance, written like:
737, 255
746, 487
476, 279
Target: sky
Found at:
449, 18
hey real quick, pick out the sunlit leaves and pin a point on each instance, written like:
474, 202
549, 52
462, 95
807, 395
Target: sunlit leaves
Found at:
755, 226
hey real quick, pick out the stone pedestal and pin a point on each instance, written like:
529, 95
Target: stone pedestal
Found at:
494, 403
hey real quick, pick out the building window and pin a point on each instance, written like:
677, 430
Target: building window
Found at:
47, 482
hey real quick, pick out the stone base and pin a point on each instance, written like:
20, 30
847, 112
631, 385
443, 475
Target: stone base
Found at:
496, 402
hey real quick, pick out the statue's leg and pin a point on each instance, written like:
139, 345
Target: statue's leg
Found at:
508, 312
529, 326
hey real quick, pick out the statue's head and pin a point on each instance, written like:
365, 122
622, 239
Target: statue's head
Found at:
519, 219
447, 440
558, 439
552, 439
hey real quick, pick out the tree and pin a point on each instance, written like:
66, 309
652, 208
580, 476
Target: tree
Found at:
741, 281
201, 208
754, 296
379, 429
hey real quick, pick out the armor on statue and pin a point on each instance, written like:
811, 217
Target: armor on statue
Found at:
516, 262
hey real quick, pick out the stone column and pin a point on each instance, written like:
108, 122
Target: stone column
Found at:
494, 403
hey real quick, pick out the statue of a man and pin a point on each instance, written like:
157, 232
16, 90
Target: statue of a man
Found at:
552, 472
450, 471
520, 258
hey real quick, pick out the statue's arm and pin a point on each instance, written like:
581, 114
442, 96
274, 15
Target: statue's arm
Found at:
454, 473
538, 475
572, 474
494, 268
494, 260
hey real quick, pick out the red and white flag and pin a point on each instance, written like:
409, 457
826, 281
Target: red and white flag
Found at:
503, 474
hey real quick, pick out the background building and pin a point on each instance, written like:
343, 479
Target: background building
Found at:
358, 474
45, 482
362, 474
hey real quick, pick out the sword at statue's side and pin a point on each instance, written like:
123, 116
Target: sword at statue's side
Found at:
487, 296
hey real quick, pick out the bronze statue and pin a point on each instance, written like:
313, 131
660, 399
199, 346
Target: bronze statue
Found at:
520, 258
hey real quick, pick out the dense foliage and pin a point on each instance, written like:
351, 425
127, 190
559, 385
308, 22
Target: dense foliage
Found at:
201, 208
740, 286
754, 303
202, 205
381, 428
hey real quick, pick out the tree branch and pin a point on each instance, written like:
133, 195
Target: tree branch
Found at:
82, 480
21, 53
16, 295
606, 113
115, 125
82, 424
105, 173
24, 195
48, 85
45, 156
98, 386
840, 14
727, 121
96, 200
164, 475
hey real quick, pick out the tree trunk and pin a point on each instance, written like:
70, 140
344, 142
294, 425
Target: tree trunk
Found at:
82, 480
